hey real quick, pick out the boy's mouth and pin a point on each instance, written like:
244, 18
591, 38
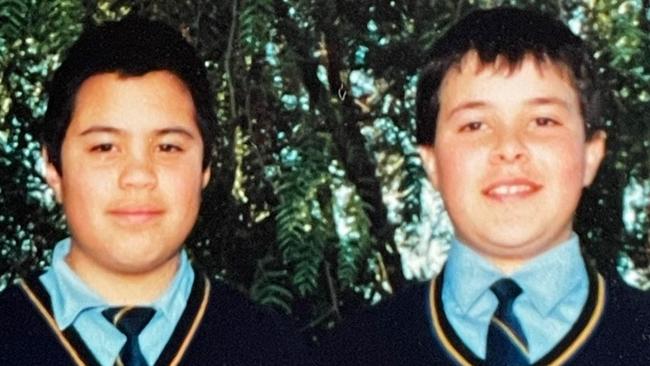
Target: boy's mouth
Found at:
512, 188
136, 214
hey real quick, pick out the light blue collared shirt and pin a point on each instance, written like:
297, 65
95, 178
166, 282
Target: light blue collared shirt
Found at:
555, 287
74, 303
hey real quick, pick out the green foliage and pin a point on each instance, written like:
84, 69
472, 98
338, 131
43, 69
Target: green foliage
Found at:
307, 215
302, 223
256, 25
620, 31
32, 34
12, 17
356, 245
271, 285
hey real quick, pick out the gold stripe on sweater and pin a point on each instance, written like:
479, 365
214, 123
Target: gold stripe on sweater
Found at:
582, 337
442, 337
51, 322
195, 324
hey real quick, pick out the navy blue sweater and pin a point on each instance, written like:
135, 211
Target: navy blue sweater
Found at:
219, 326
411, 329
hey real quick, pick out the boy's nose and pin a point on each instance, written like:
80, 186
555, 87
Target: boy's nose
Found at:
509, 148
138, 173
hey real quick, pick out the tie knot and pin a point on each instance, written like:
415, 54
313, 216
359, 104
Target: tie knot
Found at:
129, 320
506, 290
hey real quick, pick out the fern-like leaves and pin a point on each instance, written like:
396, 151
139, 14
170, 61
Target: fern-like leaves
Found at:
301, 221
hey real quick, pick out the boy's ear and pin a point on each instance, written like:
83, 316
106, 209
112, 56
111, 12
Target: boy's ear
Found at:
52, 176
594, 154
206, 177
428, 157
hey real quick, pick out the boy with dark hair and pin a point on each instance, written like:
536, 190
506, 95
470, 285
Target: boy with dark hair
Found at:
128, 138
509, 134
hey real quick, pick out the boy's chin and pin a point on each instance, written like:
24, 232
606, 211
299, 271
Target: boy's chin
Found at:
514, 250
137, 266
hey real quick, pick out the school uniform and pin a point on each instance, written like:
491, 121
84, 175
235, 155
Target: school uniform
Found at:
583, 318
214, 325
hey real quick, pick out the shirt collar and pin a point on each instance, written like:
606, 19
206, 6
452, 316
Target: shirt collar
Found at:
468, 275
70, 295
553, 275
172, 302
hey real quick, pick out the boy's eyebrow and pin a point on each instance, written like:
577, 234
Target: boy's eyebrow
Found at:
467, 105
548, 100
175, 130
472, 104
101, 129
113, 130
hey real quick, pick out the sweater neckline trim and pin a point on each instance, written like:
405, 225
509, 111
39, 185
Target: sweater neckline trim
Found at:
568, 346
79, 353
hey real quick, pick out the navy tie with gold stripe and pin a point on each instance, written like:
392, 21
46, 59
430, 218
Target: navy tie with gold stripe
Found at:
506, 343
130, 321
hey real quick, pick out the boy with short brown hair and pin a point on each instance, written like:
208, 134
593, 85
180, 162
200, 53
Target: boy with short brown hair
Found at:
509, 134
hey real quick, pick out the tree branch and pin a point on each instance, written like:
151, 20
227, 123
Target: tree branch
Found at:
228, 58
332, 291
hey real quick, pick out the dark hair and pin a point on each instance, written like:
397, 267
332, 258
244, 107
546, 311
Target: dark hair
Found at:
131, 47
510, 33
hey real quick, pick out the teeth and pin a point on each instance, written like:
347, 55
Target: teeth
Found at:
508, 190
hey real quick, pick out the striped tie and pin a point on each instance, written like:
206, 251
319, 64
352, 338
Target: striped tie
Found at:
506, 343
130, 321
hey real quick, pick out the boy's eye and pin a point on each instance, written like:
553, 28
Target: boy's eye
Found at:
544, 121
107, 147
169, 148
472, 126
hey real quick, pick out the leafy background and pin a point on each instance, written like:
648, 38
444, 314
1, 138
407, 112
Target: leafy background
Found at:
318, 203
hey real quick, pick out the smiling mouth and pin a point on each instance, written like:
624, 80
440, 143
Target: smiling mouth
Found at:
519, 188
136, 216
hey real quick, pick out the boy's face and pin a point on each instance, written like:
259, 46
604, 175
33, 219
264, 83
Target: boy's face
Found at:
510, 157
131, 172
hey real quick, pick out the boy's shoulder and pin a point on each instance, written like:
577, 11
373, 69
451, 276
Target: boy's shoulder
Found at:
621, 334
621, 294
10, 297
235, 312
235, 330
627, 311
17, 303
26, 335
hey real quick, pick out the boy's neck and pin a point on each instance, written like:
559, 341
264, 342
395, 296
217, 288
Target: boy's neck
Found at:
508, 266
124, 288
